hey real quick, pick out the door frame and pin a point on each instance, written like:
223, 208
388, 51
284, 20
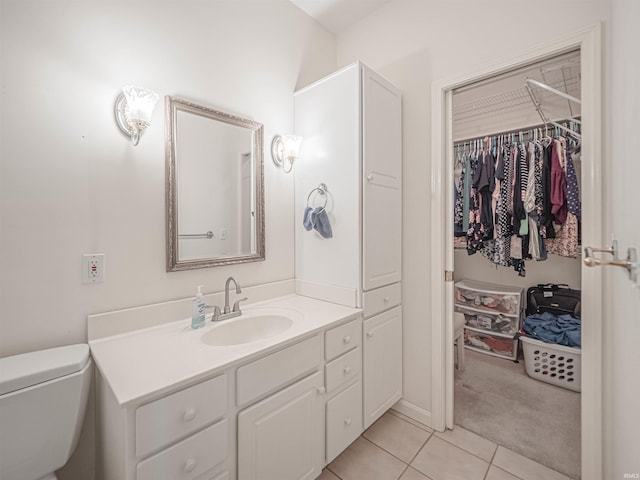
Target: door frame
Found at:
589, 41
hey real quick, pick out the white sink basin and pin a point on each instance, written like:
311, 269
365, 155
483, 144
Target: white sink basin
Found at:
247, 329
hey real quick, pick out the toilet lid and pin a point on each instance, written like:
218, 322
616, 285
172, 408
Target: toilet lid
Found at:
27, 369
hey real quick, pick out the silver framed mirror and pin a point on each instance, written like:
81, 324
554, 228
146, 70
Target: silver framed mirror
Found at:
214, 187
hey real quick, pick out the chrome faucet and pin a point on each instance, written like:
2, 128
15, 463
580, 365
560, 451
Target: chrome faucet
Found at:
228, 312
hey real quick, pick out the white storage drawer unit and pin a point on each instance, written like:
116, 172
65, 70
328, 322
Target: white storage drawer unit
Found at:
493, 316
168, 419
490, 298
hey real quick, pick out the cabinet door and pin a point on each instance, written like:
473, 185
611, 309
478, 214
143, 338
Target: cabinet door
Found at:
382, 363
344, 420
382, 182
281, 437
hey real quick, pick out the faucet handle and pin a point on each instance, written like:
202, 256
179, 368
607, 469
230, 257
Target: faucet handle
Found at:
216, 313
236, 305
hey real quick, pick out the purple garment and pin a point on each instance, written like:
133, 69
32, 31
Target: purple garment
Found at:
558, 186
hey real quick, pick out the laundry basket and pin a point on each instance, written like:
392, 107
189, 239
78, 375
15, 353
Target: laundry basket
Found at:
552, 363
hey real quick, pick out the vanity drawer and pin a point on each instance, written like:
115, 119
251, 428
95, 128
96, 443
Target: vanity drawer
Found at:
190, 458
162, 422
344, 420
277, 369
381, 299
342, 339
343, 369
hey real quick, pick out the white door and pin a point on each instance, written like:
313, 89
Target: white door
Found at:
622, 317
382, 181
589, 42
382, 363
281, 437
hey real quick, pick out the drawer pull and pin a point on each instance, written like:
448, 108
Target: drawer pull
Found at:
385, 299
322, 390
346, 339
189, 414
347, 421
190, 465
347, 370
369, 334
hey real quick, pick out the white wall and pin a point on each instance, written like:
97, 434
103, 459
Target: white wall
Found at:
71, 183
328, 117
412, 43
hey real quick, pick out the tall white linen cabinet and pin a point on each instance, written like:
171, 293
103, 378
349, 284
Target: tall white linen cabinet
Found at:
351, 122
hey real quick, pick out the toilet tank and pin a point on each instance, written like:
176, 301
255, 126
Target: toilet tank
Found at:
43, 397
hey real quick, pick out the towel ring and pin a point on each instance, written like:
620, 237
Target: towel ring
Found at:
321, 189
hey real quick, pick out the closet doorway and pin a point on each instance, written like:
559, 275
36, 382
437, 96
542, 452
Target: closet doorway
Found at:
586, 44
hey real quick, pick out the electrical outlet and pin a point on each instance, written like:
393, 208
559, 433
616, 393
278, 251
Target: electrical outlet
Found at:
93, 268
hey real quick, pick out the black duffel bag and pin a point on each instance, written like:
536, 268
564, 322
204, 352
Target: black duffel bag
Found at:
552, 298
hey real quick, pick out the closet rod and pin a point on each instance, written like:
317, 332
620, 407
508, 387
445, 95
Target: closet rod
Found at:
524, 130
553, 90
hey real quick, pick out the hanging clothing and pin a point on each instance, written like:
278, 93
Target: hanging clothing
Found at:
546, 217
523, 201
484, 184
573, 191
558, 184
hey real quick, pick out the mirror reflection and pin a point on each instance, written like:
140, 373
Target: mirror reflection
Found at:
214, 187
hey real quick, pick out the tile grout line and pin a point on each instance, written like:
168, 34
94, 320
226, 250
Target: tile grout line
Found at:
393, 455
339, 477
471, 453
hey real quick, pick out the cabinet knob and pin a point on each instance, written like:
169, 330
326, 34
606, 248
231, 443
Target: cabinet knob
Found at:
385, 299
369, 177
322, 390
189, 414
190, 465
347, 370
369, 334
346, 338
347, 421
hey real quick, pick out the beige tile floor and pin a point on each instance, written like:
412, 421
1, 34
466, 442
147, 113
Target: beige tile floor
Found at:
398, 448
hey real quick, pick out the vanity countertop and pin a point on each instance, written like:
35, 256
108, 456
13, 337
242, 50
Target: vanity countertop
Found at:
145, 363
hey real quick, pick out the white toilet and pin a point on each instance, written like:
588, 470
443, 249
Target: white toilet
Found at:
43, 397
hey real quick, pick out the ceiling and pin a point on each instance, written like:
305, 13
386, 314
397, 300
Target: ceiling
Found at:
338, 15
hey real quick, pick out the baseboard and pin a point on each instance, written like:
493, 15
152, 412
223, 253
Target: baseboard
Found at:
413, 411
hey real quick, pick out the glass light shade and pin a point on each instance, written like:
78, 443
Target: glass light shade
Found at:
141, 102
291, 145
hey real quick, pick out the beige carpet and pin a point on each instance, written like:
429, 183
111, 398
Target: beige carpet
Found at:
496, 399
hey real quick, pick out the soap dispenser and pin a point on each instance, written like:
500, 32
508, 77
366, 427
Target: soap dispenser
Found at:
197, 313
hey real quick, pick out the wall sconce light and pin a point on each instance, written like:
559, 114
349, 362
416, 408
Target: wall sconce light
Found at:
285, 149
134, 107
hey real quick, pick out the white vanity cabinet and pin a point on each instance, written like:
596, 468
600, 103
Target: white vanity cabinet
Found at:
283, 413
